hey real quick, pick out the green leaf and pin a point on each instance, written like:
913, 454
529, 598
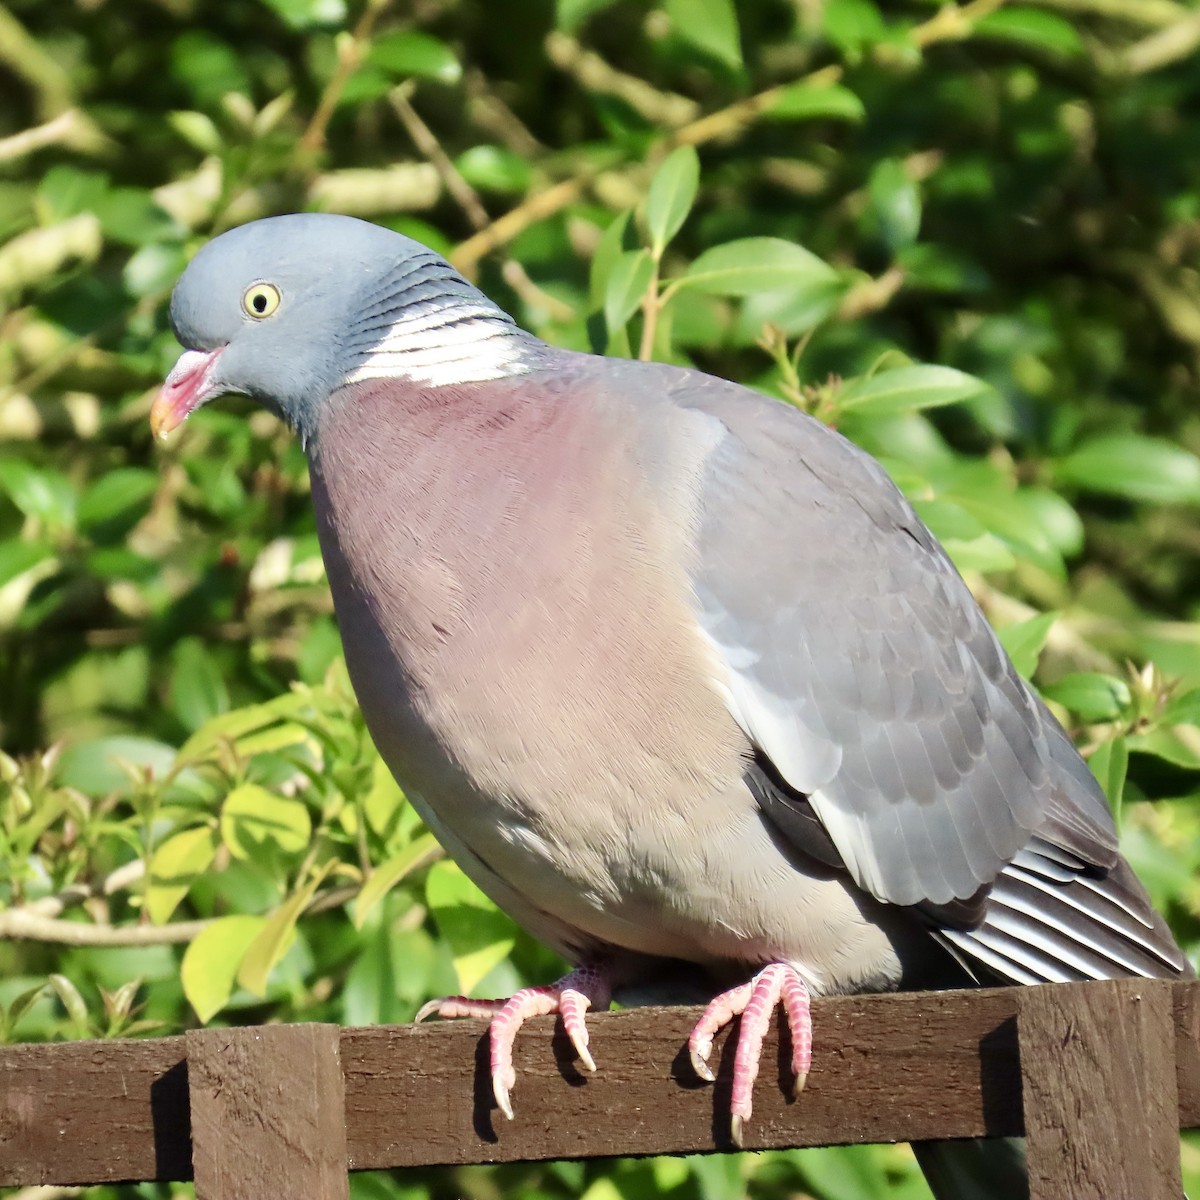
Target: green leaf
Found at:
1033, 29
174, 868
710, 26
18, 1009
1109, 763
852, 25
480, 936
309, 14
569, 15
237, 725
1183, 710
494, 169
384, 801
102, 765
418, 853
409, 53
18, 557
39, 492
274, 938
71, 999
118, 497
198, 129
806, 102
1025, 639
613, 242
253, 818
894, 208
756, 264
907, 389
628, 282
197, 691
1092, 695
210, 963
671, 196
1179, 746
1135, 467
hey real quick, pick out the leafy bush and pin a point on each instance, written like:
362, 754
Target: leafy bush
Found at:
818, 199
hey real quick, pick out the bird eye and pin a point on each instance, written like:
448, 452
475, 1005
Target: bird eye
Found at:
260, 300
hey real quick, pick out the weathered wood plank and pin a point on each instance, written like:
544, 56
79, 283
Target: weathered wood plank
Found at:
94, 1112
1100, 1093
268, 1112
886, 1068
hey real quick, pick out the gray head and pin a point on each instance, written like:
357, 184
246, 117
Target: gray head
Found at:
288, 309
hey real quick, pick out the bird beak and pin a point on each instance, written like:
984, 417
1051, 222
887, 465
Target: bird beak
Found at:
188, 386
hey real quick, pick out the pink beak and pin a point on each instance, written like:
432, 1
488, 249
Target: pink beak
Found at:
187, 387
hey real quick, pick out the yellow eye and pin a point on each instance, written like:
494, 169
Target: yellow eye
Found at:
260, 300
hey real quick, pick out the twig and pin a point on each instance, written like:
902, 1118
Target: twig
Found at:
1167, 46
503, 229
490, 112
596, 75
18, 924
651, 307
70, 128
27, 60
426, 142
77, 893
725, 121
1136, 12
871, 295
468, 200
350, 50
953, 22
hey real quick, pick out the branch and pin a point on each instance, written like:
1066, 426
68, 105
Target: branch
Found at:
70, 128
350, 50
468, 200
19, 924
1166, 46
1139, 12
78, 893
595, 75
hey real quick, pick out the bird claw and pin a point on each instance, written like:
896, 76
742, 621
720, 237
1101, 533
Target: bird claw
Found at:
735, 1131
501, 1089
778, 983
570, 997
700, 1064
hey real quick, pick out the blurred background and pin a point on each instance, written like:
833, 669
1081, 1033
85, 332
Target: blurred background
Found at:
968, 235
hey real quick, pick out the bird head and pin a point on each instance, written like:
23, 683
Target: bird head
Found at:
289, 309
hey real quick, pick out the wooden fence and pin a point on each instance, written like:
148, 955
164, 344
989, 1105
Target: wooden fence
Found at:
1099, 1076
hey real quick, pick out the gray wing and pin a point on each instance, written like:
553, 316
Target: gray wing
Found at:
856, 660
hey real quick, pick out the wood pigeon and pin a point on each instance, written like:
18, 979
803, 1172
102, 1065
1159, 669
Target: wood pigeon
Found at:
672, 670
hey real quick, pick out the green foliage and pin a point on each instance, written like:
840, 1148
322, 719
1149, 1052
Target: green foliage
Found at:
822, 200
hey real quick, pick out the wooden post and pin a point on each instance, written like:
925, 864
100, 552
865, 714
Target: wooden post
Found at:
268, 1112
1099, 1087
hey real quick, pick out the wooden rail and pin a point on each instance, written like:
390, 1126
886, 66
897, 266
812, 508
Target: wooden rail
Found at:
1104, 1077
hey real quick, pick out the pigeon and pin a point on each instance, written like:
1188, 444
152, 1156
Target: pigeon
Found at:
672, 670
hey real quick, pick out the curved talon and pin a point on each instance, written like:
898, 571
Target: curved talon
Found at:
735, 1131
700, 1065
501, 1087
570, 997
777, 983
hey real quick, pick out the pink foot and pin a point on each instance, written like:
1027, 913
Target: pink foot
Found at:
571, 997
755, 1002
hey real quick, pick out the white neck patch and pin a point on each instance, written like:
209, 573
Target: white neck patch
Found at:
464, 343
